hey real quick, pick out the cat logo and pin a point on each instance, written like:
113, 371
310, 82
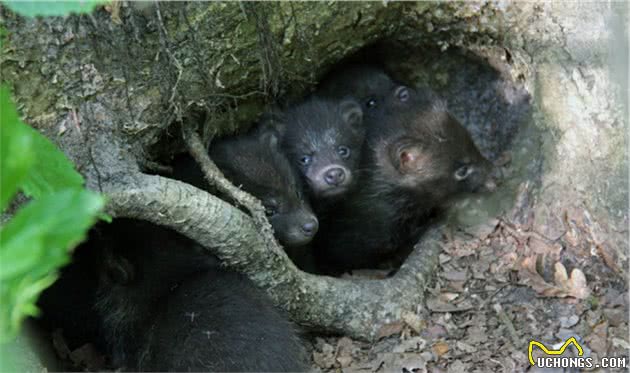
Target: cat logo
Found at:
547, 351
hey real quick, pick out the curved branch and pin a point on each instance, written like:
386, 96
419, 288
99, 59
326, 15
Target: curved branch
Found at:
215, 178
358, 308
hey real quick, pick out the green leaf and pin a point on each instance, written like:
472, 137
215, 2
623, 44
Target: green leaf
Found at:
34, 244
51, 8
16, 155
24, 149
61, 220
52, 170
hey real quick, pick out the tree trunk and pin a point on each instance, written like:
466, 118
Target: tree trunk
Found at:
112, 88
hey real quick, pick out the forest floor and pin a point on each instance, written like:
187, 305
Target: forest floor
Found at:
497, 288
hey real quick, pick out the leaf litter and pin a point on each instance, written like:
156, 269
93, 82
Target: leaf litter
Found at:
497, 287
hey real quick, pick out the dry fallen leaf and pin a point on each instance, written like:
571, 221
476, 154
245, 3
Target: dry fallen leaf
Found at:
414, 321
458, 366
395, 362
412, 363
597, 340
618, 342
563, 286
390, 329
576, 283
448, 297
439, 349
345, 346
410, 345
455, 275
326, 358
344, 361
465, 347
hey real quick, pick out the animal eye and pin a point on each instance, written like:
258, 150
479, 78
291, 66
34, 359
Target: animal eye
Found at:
402, 93
271, 210
305, 160
463, 172
343, 151
370, 103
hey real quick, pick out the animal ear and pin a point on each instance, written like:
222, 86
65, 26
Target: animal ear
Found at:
413, 159
402, 93
351, 112
273, 120
270, 137
463, 172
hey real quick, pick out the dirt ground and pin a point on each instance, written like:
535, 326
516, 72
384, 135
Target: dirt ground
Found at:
497, 288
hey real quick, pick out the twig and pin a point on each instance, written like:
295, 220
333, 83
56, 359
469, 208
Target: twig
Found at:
489, 299
515, 232
215, 178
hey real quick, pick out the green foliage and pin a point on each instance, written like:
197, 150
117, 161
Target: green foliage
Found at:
51, 170
35, 243
37, 240
51, 8
16, 154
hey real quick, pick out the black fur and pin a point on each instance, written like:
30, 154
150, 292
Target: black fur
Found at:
369, 85
168, 306
68, 303
255, 163
414, 148
322, 138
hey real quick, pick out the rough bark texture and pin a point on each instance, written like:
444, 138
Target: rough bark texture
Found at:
108, 87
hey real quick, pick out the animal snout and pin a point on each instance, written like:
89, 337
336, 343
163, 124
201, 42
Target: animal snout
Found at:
310, 228
335, 176
490, 185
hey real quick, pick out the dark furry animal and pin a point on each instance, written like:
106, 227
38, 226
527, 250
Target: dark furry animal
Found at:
417, 158
168, 306
68, 303
254, 162
369, 85
322, 138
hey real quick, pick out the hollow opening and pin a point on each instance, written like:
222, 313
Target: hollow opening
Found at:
481, 94
483, 90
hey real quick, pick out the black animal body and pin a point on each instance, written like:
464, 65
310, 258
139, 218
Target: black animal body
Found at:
323, 138
254, 162
417, 158
68, 303
167, 306
369, 85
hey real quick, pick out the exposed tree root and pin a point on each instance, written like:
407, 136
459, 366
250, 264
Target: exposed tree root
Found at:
358, 308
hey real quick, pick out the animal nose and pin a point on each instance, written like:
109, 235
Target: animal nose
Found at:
335, 176
310, 228
490, 185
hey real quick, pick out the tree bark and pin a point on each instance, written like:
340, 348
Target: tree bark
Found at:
108, 88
